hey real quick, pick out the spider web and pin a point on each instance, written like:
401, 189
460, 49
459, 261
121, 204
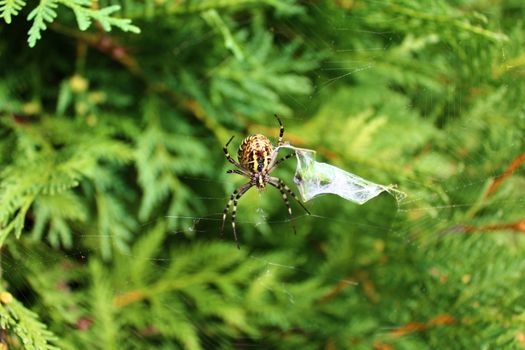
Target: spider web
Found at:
264, 214
431, 214
434, 216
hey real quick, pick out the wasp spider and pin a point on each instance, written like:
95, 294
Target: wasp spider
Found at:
257, 159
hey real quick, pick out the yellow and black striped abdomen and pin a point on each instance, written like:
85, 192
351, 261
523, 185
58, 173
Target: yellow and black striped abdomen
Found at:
254, 153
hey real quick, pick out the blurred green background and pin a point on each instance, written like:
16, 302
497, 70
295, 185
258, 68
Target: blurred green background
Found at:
112, 175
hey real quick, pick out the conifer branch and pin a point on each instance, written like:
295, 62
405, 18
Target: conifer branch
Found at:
111, 174
19, 321
287, 7
46, 12
10, 8
460, 24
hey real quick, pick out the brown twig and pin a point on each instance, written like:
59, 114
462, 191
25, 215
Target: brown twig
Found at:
336, 290
496, 183
518, 226
412, 327
363, 279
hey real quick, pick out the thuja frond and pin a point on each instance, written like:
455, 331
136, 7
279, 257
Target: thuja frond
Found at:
147, 9
50, 281
242, 86
115, 224
446, 14
54, 213
85, 15
161, 158
23, 324
107, 323
191, 286
46, 176
215, 20
46, 12
422, 92
21, 184
10, 8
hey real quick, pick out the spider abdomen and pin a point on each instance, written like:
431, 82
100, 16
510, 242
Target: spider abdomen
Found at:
255, 153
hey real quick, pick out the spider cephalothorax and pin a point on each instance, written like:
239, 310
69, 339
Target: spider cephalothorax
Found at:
257, 159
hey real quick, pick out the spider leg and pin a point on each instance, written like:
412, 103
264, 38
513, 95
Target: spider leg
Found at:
276, 164
234, 211
285, 199
234, 198
281, 131
230, 159
280, 184
236, 171
225, 211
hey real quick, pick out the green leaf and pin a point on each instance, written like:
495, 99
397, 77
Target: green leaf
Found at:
9, 8
84, 15
44, 12
22, 322
107, 325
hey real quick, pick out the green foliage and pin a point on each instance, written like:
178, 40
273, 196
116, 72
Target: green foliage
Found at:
46, 11
149, 8
112, 179
10, 8
48, 174
269, 73
23, 324
200, 289
160, 157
